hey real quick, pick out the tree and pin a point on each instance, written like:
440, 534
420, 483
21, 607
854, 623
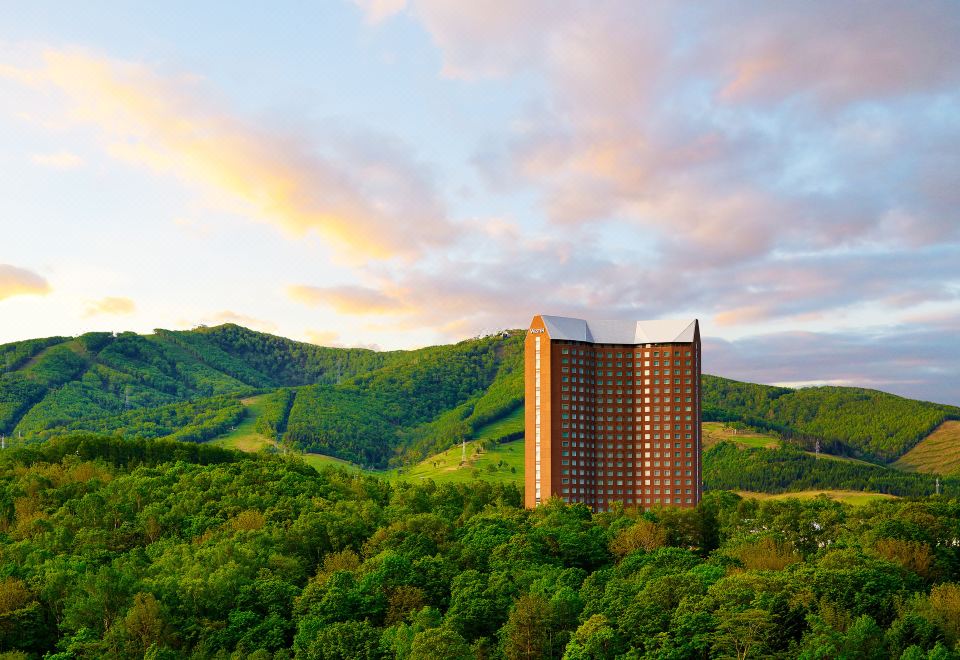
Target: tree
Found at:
865, 640
743, 633
403, 601
145, 623
594, 640
767, 554
913, 555
529, 630
440, 643
642, 535
944, 600
346, 640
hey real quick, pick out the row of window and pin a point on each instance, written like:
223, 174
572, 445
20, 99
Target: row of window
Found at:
656, 436
620, 355
628, 372
599, 447
647, 502
619, 491
582, 465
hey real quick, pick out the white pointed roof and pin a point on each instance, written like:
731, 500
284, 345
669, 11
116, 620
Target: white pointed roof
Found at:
620, 332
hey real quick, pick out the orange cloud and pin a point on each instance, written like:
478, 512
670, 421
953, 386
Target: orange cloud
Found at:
16, 281
347, 299
111, 306
323, 337
374, 201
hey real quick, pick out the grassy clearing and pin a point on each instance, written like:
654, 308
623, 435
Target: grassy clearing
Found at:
243, 436
854, 497
938, 453
512, 423
832, 457
714, 432
504, 463
321, 460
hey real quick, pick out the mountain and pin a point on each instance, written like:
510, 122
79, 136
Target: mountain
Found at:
848, 421
365, 406
374, 408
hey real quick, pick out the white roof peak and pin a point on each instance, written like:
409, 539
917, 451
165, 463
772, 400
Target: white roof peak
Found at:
619, 331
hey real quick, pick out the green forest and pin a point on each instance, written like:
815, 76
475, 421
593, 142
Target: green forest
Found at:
375, 409
848, 421
371, 408
163, 549
789, 469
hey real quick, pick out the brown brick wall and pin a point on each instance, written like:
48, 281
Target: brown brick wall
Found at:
601, 432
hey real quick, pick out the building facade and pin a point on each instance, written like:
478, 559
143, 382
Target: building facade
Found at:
613, 412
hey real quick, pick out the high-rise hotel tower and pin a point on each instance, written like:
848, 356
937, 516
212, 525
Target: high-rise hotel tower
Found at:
613, 412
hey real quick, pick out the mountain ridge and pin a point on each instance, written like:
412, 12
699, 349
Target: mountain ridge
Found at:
374, 408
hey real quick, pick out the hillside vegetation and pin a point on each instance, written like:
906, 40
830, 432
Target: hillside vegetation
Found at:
848, 421
114, 548
378, 409
938, 453
363, 406
789, 469
781, 470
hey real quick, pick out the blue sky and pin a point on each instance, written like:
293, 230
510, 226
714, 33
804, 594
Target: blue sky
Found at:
393, 174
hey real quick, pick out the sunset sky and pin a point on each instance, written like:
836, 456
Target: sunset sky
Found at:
394, 174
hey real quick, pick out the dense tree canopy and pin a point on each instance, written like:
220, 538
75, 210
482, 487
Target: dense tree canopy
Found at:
787, 468
130, 548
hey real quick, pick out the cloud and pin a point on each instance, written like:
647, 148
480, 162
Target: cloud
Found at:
60, 160
907, 359
193, 227
228, 316
331, 339
323, 337
793, 165
347, 299
379, 10
703, 125
782, 164
110, 306
364, 192
16, 281
861, 50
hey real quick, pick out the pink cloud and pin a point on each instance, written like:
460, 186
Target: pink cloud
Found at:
347, 299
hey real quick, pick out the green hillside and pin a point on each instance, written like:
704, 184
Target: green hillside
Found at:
938, 453
502, 463
379, 409
754, 468
363, 406
862, 423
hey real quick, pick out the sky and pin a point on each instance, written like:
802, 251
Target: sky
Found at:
393, 174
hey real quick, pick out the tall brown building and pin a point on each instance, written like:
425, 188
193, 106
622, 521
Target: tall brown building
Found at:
613, 412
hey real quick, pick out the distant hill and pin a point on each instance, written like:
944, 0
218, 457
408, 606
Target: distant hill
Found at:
365, 406
373, 408
850, 421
